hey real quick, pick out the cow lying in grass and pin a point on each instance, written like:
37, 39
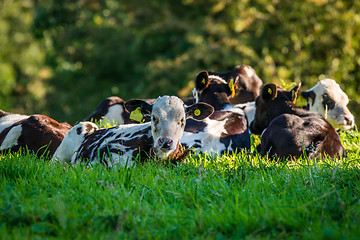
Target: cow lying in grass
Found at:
327, 98
113, 109
246, 85
159, 138
289, 131
217, 92
224, 131
37, 133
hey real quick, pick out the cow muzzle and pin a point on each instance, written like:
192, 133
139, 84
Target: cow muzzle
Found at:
165, 144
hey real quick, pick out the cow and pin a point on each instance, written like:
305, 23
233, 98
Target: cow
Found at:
37, 133
72, 140
245, 87
159, 138
223, 132
113, 109
217, 92
289, 131
247, 83
327, 98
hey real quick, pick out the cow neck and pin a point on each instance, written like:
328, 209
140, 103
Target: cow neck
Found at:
217, 101
287, 108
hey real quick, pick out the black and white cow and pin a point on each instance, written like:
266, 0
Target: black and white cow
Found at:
37, 133
327, 98
121, 145
226, 130
217, 92
289, 131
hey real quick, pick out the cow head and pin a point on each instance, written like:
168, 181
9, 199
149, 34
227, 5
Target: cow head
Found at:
272, 102
168, 117
247, 84
327, 98
213, 90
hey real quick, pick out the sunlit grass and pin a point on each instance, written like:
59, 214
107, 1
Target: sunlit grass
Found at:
233, 196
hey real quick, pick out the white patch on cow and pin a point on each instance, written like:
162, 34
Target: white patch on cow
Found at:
249, 71
11, 138
72, 141
115, 114
195, 94
339, 116
249, 109
210, 138
214, 77
10, 119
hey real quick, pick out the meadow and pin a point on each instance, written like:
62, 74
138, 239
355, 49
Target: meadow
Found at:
240, 196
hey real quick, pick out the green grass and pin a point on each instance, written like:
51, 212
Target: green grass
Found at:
231, 197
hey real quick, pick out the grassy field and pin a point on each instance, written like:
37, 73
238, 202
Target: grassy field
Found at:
231, 197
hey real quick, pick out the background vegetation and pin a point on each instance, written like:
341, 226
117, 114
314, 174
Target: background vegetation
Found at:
61, 58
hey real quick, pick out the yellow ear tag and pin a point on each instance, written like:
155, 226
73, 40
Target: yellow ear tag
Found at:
294, 96
197, 112
203, 81
137, 116
232, 87
269, 91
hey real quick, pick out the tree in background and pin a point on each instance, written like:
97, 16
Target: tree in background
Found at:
145, 49
22, 71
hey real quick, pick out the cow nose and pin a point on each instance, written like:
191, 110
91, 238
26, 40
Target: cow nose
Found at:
349, 121
165, 143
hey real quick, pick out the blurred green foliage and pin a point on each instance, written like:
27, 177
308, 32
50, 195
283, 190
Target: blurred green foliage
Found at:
63, 57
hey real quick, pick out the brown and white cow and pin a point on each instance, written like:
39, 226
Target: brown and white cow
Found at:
37, 133
289, 131
247, 83
327, 98
120, 145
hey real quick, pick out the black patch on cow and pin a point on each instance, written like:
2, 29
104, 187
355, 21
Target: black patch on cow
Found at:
78, 130
194, 126
328, 102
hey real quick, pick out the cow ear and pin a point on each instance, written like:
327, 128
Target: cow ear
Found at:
199, 111
202, 80
269, 92
295, 93
309, 96
138, 109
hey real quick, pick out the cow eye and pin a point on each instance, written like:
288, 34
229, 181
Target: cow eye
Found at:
327, 101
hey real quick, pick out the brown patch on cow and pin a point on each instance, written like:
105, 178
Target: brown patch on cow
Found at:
39, 134
179, 154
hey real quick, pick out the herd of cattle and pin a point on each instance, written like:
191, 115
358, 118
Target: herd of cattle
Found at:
225, 110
